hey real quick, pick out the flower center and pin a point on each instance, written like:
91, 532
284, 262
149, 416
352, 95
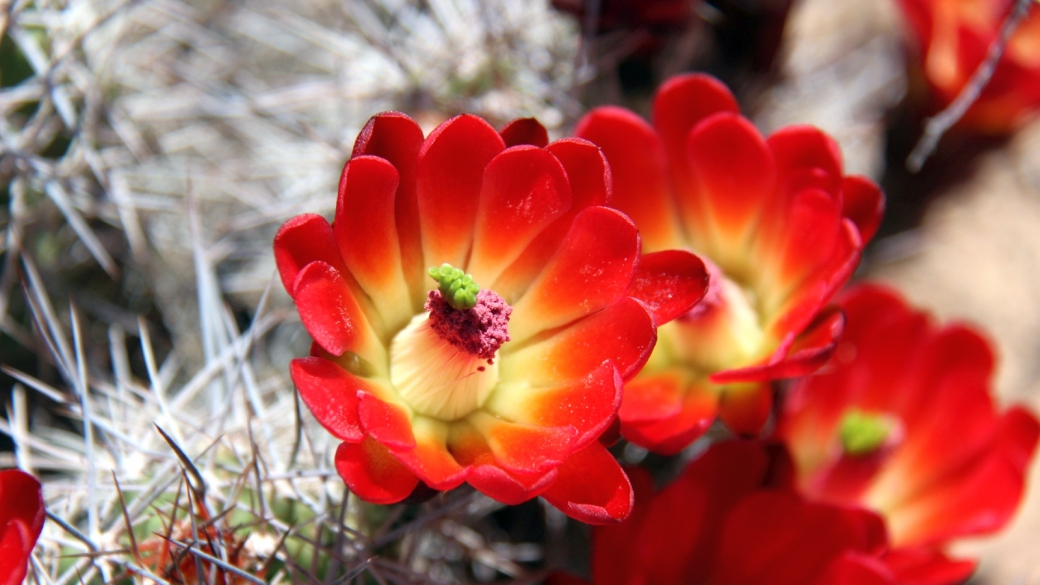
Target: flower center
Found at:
443, 362
863, 433
723, 331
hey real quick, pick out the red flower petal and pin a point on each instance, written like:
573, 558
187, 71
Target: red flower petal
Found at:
470, 448
806, 247
669, 533
524, 448
670, 283
613, 561
669, 434
776, 538
503, 486
846, 481
639, 170
801, 306
920, 566
681, 103
589, 177
811, 234
366, 232
525, 131
524, 190
21, 521
1018, 434
809, 351
451, 169
728, 472
591, 270
955, 364
331, 395
978, 499
863, 203
871, 308
373, 473
651, 547
623, 333
587, 404
332, 315
430, 459
806, 158
304, 239
855, 568
654, 397
587, 171
397, 138
592, 487
745, 407
387, 423
734, 175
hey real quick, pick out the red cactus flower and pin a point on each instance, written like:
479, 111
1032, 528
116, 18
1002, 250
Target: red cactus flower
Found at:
903, 422
782, 228
439, 381
733, 519
21, 521
953, 37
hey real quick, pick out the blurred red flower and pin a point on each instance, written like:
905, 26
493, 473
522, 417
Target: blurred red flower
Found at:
902, 422
21, 521
732, 518
511, 391
952, 38
782, 227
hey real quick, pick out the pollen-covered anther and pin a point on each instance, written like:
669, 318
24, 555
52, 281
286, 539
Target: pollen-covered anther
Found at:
480, 330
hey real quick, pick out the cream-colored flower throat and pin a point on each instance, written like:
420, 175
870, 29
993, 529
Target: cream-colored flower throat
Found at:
724, 330
436, 378
444, 362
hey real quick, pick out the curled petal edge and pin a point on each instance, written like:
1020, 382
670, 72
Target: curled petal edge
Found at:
592, 487
801, 355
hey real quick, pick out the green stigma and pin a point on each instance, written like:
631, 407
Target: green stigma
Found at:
456, 286
864, 433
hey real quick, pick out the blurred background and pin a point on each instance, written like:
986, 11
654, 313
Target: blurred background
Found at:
150, 149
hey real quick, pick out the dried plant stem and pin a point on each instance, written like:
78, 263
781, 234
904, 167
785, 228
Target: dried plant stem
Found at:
944, 120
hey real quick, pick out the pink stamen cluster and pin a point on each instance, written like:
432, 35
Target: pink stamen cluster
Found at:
479, 331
